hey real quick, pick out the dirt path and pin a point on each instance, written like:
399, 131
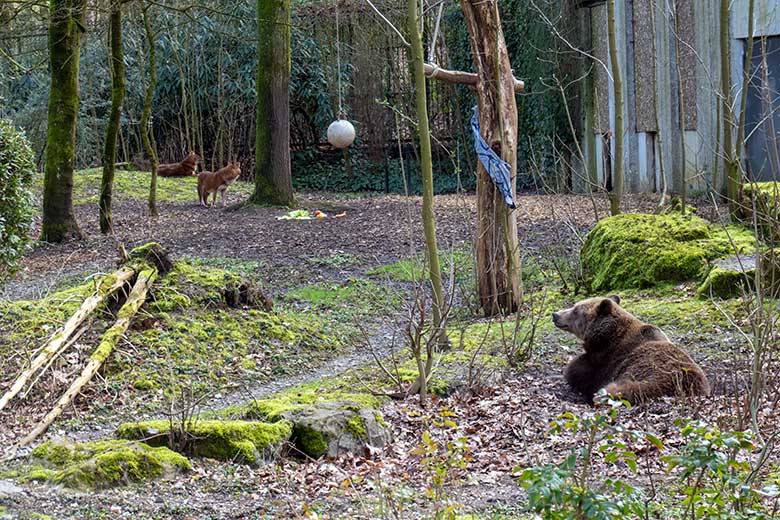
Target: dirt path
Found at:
376, 231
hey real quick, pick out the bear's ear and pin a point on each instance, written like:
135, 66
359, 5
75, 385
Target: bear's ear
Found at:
605, 307
615, 298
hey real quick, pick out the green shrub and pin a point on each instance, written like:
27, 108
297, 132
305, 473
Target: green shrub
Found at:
17, 166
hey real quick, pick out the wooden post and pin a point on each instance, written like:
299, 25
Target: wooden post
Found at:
499, 283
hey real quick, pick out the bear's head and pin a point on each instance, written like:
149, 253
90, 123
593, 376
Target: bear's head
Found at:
589, 319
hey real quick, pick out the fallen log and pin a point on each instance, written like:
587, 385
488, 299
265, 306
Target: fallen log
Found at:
107, 344
59, 340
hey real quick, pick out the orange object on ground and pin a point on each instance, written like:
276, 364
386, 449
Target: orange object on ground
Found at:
340, 215
320, 214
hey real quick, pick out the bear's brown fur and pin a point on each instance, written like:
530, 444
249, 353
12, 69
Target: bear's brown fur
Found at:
626, 357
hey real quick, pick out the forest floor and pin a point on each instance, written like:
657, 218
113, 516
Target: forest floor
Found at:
462, 451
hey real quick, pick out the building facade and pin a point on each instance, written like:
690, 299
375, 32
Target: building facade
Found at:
670, 59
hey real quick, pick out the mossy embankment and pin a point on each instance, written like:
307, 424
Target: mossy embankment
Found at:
202, 329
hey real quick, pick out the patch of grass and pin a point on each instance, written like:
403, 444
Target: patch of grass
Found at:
245, 268
338, 260
134, 185
345, 301
415, 269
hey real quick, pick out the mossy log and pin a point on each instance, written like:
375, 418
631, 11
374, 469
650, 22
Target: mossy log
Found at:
108, 342
59, 341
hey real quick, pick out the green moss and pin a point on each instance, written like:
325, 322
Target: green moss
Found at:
356, 296
243, 441
668, 307
272, 409
309, 441
134, 186
102, 464
639, 250
144, 384
725, 283
357, 428
29, 322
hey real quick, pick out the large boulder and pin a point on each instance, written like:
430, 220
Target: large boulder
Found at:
337, 427
641, 250
250, 442
324, 421
101, 464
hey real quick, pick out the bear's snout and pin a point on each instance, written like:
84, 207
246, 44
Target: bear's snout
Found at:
556, 319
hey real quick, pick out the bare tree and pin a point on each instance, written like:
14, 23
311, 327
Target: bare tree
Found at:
117, 98
147, 131
499, 283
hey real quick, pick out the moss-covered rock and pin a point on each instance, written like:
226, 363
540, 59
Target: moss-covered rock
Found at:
324, 420
764, 198
334, 428
642, 250
101, 464
730, 277
250, 442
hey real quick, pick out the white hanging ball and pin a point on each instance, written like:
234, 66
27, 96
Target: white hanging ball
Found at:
341, 133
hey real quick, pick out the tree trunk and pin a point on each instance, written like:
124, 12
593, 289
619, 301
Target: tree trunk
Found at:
117, 98
273, 178
66, 26
730, 165
616, 195
745, 80
147, 126
497, 249
678, 43
426, 170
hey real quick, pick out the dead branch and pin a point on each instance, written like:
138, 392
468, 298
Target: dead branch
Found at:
460, 77
107, 344
59, 341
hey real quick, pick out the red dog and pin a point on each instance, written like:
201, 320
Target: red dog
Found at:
186, 168
217, 182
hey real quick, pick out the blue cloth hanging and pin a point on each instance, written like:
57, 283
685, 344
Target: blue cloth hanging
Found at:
496, 167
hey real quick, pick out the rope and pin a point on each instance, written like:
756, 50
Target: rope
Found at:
338, 61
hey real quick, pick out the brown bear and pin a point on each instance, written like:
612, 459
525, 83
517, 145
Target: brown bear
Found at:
626, 357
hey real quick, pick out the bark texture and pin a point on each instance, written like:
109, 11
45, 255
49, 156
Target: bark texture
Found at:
66, 30
730, 165
147, 127
497, 248
273, 178
117, 98
616, 195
